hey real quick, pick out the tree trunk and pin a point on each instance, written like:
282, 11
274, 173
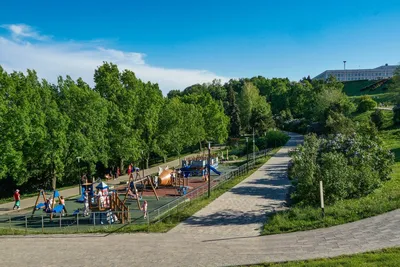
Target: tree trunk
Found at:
121, 165
147, 162
165, 159
53, 179
200, 147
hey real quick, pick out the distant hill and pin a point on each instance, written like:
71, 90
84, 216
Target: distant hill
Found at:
366, 87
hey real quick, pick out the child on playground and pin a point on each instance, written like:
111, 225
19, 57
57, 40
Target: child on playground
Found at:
62, 202
144, 209
17, 198
86, 204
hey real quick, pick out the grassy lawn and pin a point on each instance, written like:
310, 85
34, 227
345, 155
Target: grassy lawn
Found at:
385, 257
384, 199
387, 98
170, 220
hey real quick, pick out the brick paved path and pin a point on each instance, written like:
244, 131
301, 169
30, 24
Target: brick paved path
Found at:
242, 210
207, 248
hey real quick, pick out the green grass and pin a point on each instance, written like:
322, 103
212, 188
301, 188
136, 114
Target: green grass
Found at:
169, 221
386, 257
353, 88
388, 98
382, 200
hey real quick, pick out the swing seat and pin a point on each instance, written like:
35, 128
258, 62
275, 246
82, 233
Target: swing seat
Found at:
58, 208
39, 206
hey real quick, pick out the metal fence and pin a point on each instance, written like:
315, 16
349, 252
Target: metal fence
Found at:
58, 223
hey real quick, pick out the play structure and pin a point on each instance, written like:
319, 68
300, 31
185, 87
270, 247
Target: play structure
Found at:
176, 179
86, 187
104, 203
197, 166
49, 204
136, 185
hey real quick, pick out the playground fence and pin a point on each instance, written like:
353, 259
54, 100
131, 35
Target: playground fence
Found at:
60, 223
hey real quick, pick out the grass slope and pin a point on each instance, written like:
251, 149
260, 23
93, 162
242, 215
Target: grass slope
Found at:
384, 199
385, 257
365, 87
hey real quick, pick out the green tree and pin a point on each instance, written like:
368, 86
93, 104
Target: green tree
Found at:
366, 103
234, 114
121, 134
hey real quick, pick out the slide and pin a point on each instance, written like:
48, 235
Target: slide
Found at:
215, 170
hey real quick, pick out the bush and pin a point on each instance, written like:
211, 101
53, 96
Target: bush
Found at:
366, 103
349, 166
272, 139
396, 115
378, 118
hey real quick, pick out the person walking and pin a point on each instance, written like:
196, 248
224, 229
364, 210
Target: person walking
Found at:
17, 199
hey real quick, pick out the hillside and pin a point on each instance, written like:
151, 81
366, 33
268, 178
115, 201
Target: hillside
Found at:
366, 87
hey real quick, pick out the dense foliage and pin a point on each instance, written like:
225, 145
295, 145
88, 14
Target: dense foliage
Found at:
366, 103
349, 166
47, 127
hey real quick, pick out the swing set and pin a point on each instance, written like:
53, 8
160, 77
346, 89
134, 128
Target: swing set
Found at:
132, 186
53, 209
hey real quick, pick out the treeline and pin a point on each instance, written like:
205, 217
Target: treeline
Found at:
261, 103
46, 127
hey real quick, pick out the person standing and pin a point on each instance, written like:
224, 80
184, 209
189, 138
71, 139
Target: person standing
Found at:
62, 202
17, 198
144, 209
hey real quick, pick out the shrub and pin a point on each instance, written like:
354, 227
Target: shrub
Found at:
396, 115
366, 103
349, 166
272, 139
378, 118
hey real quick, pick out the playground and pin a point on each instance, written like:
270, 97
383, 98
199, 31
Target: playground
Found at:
100, 204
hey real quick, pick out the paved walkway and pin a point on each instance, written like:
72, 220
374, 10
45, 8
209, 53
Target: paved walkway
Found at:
197, 242
243, 210
30, 202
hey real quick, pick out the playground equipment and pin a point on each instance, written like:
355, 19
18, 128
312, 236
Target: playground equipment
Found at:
133, 188
86, 187
53, 209
178, 179
197, 166
105, 202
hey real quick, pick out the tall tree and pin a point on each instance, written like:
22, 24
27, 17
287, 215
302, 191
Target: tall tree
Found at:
234, 114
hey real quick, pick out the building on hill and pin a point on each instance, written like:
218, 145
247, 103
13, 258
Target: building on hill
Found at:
382, 72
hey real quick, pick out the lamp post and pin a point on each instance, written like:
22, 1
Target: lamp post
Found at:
254, 148
209, 170
79, 173
142, 164
247, 153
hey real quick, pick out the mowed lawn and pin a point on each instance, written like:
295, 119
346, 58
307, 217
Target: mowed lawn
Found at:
386, 257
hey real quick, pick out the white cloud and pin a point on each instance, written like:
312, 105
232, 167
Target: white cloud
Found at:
19, 31
51, 59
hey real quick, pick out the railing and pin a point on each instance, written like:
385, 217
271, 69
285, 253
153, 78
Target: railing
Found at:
60, 223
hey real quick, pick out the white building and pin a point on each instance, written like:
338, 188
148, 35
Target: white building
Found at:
382, 72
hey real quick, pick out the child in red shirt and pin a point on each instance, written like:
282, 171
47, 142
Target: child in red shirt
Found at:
17, 198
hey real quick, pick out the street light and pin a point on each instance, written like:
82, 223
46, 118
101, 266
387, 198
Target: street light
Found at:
247, 153
254, 149
209, 170
79, 175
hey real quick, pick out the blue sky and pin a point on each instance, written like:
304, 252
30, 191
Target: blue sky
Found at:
177, 43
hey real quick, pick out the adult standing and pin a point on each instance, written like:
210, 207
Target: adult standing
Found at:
17, 199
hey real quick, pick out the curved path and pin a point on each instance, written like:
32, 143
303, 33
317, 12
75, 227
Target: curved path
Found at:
205, 239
